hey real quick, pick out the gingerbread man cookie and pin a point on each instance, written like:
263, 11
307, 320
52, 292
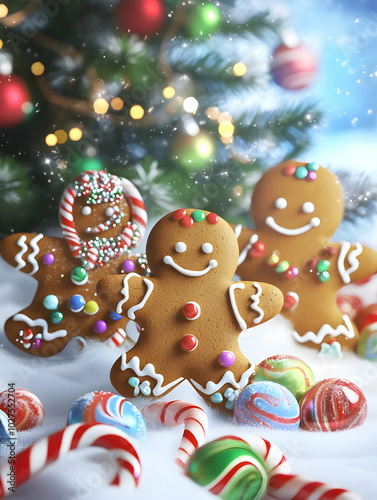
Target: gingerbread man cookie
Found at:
102, 217
190, 313
296, 207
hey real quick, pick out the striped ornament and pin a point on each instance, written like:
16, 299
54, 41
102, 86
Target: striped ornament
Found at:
175, 413
29, 409
49, 449
293, 68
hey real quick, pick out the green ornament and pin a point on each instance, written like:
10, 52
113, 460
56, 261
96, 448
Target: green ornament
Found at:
325, 276
205, 20
210, 463
282, 266
56, 317
194, 152
198, 215
79, 276
323, 266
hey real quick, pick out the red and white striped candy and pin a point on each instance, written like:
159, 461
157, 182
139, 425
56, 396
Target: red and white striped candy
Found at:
49, 449
29, 411
176, 413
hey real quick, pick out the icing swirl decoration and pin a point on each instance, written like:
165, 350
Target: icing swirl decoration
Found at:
189, 272
314, 222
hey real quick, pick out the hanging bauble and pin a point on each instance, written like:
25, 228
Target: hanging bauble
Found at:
194, 152
83, 164
14, 101
142, 17
294, 68
205, 19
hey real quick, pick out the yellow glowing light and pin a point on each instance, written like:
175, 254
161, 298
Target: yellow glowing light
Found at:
213, 113
190, 105
226, 129
101, 106
168, 92
61, 136
51, 140
75, 134
224, 117
117, 103
137, 112
37, 68
239, 69
1, 44
238, 191
3, 10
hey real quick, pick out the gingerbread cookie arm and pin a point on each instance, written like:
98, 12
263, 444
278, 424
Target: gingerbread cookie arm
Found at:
355, 262
26, 251
254, 303
125, 294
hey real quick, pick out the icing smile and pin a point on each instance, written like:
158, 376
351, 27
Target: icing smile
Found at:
188, 272
314, 222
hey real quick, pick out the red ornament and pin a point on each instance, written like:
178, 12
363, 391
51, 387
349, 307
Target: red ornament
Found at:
189, 343
142, 17
366, 317
13, 96
294, 68
257, 250
191, 311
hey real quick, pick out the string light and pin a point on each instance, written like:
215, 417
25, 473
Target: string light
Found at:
51, 140
137, 112
117, 103
75, 134
101, 106
226, 129
213, 113
168, 92
224, 117
61, 136
239, 69
3, 10
37, 68
1, 44
190, 105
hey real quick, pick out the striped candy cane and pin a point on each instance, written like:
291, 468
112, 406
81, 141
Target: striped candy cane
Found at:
49, 449
176, 413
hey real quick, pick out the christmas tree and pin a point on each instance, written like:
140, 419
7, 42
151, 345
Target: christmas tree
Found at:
183, 98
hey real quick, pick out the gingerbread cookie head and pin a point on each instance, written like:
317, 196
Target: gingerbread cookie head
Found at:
101, 216
192, 243
299, 201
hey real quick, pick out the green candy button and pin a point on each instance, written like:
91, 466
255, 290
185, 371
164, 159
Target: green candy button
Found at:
79, 275
312, 166
323, 266
325, 276
282, 266
56, 317
198, 215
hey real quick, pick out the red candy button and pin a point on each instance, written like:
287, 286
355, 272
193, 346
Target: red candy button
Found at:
189, 343
187, 221
257, 250
289, 302
289, 170
179, 214
191, 311
213, 218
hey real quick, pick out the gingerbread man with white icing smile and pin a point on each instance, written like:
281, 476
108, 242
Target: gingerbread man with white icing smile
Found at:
190, 313
296, 207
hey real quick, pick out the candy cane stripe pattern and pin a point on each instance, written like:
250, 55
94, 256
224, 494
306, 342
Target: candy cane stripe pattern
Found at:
176, 413
47, 450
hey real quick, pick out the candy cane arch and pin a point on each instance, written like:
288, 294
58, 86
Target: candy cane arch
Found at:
176, 413
49, 449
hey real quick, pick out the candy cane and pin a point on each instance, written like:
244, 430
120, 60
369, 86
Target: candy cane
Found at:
49, 449
176, 413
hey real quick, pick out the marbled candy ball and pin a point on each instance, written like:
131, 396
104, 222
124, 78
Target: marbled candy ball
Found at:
288, 371
333, 404
367, 345
228, 467
29, 409
108, 408
267, 404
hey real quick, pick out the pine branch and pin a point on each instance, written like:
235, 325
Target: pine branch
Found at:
360, 193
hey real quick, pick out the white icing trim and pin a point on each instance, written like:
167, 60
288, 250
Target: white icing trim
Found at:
326, 329
238, 230
233, 303
296, 297
125, 291
31, 257
18, 257
314, 222
43, 323
148, 371
254, 238
255, 304
188, 272
352, 260
131, 311
227, 378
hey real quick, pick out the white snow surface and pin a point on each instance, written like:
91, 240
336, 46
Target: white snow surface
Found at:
347, 459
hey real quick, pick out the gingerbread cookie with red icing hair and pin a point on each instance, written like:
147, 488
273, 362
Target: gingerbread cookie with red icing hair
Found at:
190, 312
102, 217
296, 207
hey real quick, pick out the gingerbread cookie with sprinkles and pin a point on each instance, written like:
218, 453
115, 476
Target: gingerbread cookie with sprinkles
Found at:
102, 218
190, 312
296, 208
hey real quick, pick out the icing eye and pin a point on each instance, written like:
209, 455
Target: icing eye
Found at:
109, 212
86, 210
281, 203
207, 248
180, 247
308, 207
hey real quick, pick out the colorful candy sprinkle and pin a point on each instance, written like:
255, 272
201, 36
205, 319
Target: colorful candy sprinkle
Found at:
48, 259
50, 302
189, 343
56, 317
128, 266
227, 359
76, 303
91, 307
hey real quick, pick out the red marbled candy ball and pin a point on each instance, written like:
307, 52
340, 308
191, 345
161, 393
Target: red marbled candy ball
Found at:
24, 406
333, 404
350, 305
